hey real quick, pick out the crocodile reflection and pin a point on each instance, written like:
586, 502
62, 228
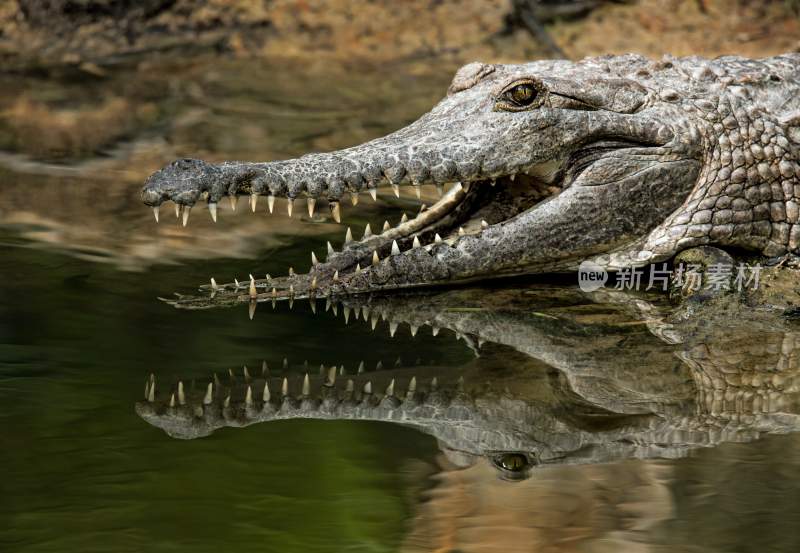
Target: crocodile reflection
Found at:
557, 380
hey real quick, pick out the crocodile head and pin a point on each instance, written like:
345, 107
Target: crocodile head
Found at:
620, 160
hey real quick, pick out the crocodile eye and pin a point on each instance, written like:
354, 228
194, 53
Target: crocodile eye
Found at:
520, 96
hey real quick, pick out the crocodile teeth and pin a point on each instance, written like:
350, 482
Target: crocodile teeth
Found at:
440, 190
437, 239
233, 199
251, 309
375, 258
248, 398
416, 243
253, 292
306, 385
354, 198
403, 218
155, 212
172, 400
379, 366
392, 328
395, 248
336, 211
417, 191
461, 231
368, 387
270, 203
311, 206
289, 206
358, 268
331, 251
314, 260
374, 193
212, 209
151, 395
367, 232
266, 395
396, 190
186, 211
285, 387
484, 225
336, 276
360, 367
386, 226
181, 394
253, 201
390, 389
177, 211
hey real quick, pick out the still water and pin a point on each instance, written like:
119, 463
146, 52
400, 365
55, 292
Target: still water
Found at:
647, 438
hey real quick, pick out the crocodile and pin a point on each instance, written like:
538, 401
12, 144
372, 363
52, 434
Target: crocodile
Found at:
620, 160
558, 380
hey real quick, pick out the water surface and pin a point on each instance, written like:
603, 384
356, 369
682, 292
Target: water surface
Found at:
81, 329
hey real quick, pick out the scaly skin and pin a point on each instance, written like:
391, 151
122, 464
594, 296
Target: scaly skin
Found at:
557, 382
639, 159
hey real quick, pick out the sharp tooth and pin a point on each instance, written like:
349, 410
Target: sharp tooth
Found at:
186, 211
374, 321
396, 190
331, 251
248, 397
209, 394
414, 330
423, 207
493, 181
348, 236
350, 386
368, 387
358, 268
386, 226
214, 284
418, 191
264, 368
336, 276
289, 206
437, 239
360, 367
274, 293
435, 330
379, 366
457, 186
151, 396
398, 362
336, 211
484, 225
314, 283
266, 395
416, 243
403, 218
271, 203
236, 283
374, 193
311, 205
354, 198
227, 401
155, 212
291, 290
375, 258
367, 232
306, 386
434, 383
177, 211
390, 389
253, 201
285, 387
440, 190
331, 378
246, 373
172, 400
253, 292
461, 231
346, 313
234, 199
181, 395
341, 370
291, 271
212, 209
392, 328
285, 364
412, 386
314, 260
313, 303
512, 177
251, 309
395, 248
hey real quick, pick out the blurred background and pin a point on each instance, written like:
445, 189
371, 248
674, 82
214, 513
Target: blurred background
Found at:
97, 94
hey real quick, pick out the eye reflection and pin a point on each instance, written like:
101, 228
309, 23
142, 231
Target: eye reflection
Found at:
513, 466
